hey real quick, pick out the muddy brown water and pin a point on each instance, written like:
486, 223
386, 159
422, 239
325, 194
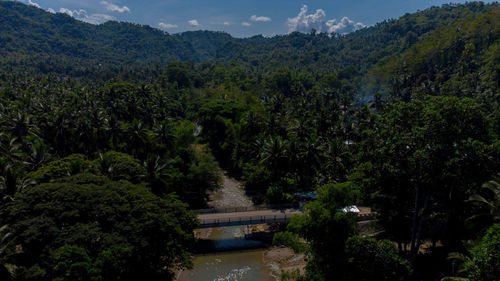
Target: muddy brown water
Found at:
239, 265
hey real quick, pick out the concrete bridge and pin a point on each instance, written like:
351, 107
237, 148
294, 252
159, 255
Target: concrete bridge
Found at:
248, 217
255, 215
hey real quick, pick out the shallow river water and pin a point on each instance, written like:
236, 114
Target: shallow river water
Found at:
246, 265
236, 265
240, 265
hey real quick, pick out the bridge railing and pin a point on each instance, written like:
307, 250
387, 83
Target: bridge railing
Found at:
245, 209
366, 216
247, 220
258, 219
281, 216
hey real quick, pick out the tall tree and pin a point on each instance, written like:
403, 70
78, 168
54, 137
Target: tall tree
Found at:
431, 155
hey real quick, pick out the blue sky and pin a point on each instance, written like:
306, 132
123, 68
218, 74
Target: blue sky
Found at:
240, 18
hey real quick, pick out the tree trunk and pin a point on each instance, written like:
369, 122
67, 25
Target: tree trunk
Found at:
415, 218
414, 250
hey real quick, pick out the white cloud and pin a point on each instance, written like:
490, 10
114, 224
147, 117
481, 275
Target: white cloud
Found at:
304, 22
345, 25
82, 15
50, 10
66, 11
246, 23
115, 8
260, 18
31, 3
194, 23
226, 23
97, 18
167, 25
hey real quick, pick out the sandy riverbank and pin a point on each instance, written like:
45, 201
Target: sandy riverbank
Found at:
280, 259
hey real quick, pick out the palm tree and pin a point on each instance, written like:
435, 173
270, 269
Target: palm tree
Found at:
156, 175
274, 155
115, 131
300, 129
11, 181
334, 166
310, 159
105, 167
59, 132
138, 139
163, 134
487, 203
251, 123
20, 125
10, 148
86, 135
8, 183
38, 155
5, 238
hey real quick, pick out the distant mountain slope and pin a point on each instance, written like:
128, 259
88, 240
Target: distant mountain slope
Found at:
206, 43
57, 43
26, 30
360, 49
458, 60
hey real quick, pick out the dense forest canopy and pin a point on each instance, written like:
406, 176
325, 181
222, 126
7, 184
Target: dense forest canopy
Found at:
111, 133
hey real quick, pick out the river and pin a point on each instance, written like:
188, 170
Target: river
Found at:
227, 265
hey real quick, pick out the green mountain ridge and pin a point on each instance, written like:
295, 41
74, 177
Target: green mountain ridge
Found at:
28, 30
29, 35
467, 53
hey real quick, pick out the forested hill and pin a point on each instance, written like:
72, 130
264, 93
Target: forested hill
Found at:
60, 44
26, 30
320, 53
458, 60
